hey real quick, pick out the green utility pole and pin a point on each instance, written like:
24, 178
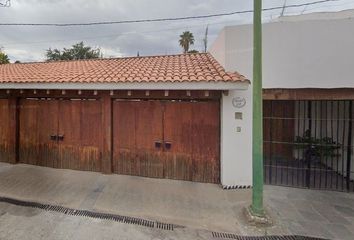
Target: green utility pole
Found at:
257, 145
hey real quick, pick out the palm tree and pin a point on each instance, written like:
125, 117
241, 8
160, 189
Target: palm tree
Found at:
186, 39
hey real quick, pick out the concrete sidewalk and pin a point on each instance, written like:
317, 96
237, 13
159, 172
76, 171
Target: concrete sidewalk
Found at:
198, 206
326, 214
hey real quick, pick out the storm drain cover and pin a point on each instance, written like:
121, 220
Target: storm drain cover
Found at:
238, 237
91, 214
137, 221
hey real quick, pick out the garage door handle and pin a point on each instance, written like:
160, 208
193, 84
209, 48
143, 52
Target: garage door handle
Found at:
158, 144
53, 137
60, 137
168, 145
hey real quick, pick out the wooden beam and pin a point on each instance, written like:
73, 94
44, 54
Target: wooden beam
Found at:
107, 133
117, 94
49, 94
309, 94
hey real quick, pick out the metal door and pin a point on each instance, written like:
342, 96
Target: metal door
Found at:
309, 144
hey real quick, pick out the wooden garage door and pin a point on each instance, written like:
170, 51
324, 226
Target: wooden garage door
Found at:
167, 139
4, 131
61, 133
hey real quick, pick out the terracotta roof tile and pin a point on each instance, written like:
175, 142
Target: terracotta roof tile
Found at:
200, 67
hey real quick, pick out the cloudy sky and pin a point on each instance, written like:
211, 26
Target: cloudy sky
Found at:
28, 43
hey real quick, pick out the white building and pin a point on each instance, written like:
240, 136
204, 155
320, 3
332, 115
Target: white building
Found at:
308, 65
310, 51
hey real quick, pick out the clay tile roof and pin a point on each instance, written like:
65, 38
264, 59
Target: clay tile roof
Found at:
200, 67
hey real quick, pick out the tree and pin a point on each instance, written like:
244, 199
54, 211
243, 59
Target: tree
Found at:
77, 51
4, 58
186, 39
193, 51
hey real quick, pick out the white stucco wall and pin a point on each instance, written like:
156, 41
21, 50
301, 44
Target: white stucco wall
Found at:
236, 147
314, 51
218, 48
297, 52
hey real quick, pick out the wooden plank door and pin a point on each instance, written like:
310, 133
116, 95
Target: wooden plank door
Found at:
206, 142
178, 138
4, 131
138, 138
38, 122
80, 135
191, 134
167, 139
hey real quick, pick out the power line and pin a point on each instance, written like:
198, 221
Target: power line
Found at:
332, 5
123, 33
111, 35
162, 19
307, 10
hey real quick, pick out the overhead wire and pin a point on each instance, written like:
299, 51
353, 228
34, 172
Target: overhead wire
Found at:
163, 19
114, 35
162, 30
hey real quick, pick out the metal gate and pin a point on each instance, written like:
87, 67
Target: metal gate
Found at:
309, 144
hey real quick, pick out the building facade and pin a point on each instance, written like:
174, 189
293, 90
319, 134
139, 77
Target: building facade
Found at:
308, 95
178, 116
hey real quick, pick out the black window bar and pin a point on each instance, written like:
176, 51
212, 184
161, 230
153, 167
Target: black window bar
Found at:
309, 144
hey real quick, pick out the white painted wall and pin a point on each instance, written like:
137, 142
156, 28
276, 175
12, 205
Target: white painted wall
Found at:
349, 13
236, 147
314, 51
298, 52
219, 48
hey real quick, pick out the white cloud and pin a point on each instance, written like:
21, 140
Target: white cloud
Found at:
111, 52
24, 55
30, 43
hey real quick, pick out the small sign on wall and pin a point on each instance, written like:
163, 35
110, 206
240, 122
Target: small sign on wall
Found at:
238, 115
238, 102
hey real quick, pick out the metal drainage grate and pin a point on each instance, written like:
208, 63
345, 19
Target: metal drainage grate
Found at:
238, 237
91, 214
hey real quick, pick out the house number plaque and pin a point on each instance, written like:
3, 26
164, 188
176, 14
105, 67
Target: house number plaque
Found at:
238, 102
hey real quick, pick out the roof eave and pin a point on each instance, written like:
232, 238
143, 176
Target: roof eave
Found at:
210, 85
